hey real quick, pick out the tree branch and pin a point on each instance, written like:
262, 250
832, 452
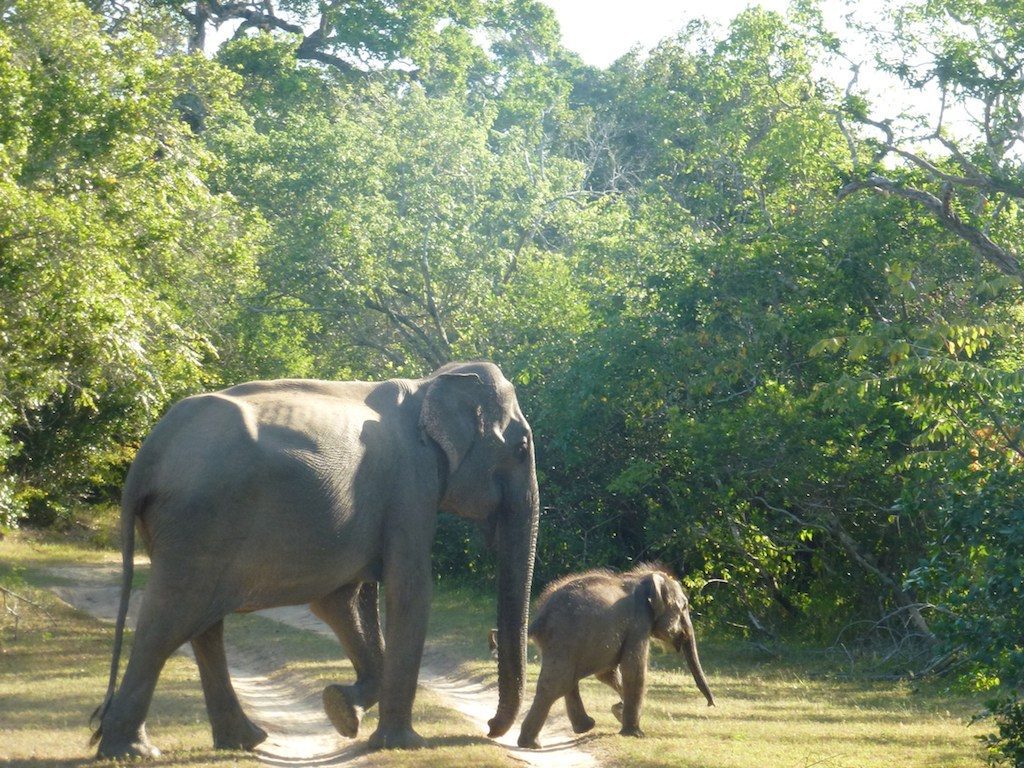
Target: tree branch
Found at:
311, 47
410, 331
1006, 261
428, 291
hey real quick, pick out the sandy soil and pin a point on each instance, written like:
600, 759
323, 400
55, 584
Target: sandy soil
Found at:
290, 709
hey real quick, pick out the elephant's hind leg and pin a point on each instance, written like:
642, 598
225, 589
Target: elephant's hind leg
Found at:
554, 681
158, 634
581, 721
353, 613
231, 728
613, 679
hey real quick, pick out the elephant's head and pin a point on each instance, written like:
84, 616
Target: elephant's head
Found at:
670, 610
470, 412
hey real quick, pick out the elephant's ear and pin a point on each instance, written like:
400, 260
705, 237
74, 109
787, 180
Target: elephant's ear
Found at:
452, 414
655, 590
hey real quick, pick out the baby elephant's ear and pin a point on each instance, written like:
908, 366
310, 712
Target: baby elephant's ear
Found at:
655, 591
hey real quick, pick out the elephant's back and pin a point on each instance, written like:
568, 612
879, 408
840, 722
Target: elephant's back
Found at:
261, 427
261, 458
583, 599
199, 432
252, 481
598, 586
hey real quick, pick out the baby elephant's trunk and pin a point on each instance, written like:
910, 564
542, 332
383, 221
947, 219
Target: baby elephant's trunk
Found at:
689, 649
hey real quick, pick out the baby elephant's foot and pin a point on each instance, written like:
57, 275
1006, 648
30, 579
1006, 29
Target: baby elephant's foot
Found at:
583, 725
633, 731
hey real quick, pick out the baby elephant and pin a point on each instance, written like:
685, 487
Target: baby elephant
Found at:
600, 623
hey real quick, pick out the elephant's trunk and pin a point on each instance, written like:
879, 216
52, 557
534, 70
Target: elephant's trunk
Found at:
516, 539
689, 648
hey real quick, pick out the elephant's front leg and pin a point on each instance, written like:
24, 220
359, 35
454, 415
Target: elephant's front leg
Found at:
633, 669
408, 584
352, 612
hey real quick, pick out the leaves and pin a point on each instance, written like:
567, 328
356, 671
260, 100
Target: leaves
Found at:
115, 259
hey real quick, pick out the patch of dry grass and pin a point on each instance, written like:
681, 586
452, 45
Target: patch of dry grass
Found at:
53, 674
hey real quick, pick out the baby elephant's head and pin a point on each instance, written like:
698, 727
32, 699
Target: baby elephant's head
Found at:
670, 613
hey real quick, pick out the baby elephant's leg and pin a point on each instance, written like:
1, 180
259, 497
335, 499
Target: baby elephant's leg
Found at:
554, 681
613, 680
581, 721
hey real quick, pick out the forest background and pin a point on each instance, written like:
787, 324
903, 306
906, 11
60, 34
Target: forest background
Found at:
767, 331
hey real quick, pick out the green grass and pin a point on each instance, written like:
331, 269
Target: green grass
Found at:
771, 713
784, 717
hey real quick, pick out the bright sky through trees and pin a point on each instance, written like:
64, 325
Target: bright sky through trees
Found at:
601, 32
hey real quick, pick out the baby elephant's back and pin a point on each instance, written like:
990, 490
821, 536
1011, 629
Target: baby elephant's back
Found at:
583, 606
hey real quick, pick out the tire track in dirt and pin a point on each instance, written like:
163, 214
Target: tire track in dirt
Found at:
284, 704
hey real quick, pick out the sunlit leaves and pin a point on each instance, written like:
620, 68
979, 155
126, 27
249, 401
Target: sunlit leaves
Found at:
116, 263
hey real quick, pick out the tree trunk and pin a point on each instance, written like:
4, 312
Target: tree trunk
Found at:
867, 561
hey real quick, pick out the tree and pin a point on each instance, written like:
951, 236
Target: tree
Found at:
115, 259
423, 39
402, 227
971, 54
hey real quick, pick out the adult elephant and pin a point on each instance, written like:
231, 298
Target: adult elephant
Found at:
288, 492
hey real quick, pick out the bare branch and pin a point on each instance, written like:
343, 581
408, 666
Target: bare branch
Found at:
21, 598
410, 331
867, 561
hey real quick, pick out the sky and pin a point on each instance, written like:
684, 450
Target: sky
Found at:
600, 31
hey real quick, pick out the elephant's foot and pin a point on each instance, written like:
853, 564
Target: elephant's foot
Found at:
583, 725
135, 745
527, 742
396, 738
617, 710
344, 713
633, 731
244, 735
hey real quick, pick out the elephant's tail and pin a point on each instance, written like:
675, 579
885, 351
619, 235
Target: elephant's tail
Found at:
130, 507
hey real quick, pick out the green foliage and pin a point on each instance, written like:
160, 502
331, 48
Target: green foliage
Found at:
1006, 746
116, 262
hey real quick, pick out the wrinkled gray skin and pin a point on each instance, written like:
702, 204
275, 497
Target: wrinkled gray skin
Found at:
289, 492
601, 623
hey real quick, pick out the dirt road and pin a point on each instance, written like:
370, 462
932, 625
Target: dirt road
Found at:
290, 709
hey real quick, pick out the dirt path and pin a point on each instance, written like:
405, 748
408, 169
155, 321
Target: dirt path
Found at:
291, 711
